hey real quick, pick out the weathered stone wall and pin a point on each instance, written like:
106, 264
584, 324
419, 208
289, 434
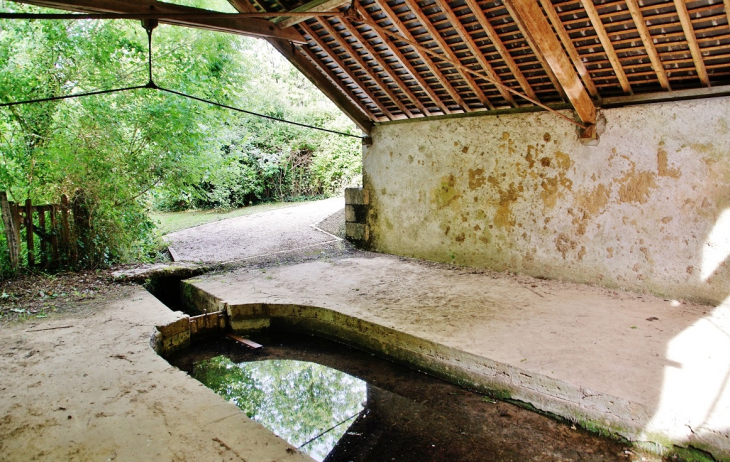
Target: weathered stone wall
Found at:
646, 209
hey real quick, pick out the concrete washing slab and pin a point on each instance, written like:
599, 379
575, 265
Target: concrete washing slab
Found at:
650, 370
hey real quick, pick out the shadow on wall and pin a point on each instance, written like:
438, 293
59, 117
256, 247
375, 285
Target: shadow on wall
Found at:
694, 404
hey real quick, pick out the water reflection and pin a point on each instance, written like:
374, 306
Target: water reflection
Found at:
297, 400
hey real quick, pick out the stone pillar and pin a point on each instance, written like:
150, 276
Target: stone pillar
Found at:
357, 203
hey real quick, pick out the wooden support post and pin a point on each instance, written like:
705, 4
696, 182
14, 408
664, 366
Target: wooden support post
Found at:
29, 238
55, 256
10, 235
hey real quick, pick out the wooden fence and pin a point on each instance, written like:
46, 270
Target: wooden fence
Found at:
63, 232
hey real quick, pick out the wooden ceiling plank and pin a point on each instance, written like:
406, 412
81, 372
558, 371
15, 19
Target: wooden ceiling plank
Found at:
541, 33
727, 10
372, 73
474, 49
403, 30
646, 38
400, 83
570, 47
260, 28
499, 46
334, 57
689, 34
600, 30
426, 23
407, 64
305, 50
317, 6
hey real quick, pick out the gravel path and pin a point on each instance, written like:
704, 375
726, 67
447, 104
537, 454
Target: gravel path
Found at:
254, 235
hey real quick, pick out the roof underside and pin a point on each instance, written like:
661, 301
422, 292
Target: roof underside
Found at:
400, 59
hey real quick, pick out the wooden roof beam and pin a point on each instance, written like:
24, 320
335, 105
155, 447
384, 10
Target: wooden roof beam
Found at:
426, 23
383, 64
403, 31
694, 48
398, 54
371, 72
260, 28
538, 27
570, 47
535, 49
474, 49
334, 57
337, 95
499, 46
597, 24
317, 6
656, 63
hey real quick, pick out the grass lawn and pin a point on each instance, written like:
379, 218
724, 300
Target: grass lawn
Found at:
169, 222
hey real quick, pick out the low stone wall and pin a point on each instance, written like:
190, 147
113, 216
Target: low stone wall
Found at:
648, 208
593, 410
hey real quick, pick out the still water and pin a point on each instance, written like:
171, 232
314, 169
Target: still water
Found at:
307, 404
342, 404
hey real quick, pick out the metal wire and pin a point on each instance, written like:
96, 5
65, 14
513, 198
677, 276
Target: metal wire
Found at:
77, 95
331, 428
152, 85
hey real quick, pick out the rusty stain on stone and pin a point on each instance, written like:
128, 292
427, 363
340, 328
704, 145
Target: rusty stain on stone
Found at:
476, 178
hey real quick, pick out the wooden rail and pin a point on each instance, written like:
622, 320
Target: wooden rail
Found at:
62, 230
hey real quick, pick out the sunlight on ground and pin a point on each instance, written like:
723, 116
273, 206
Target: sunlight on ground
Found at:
695, 397
717, 247
169, 222
694, 405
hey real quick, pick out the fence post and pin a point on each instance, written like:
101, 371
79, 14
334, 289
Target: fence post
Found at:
43, 234
55, 258
30, 241
9, 230
68, 246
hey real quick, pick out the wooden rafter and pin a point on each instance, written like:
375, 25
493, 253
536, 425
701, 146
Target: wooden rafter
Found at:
426, 23
473, 48
694, 48
646, 39
306, 51
356, 113
430, 65
353, 107
547, 6
398, 54
499, 46
261, 28
311, 7
370, 71
400, 83
345, 68
597, 24
537, 26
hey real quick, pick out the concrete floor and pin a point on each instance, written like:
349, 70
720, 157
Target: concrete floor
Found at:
652, 369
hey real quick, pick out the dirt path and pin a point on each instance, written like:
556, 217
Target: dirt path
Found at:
254, 235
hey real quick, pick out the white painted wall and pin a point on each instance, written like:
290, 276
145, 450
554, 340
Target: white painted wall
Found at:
646, 209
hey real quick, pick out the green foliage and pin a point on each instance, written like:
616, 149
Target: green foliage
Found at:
134, 150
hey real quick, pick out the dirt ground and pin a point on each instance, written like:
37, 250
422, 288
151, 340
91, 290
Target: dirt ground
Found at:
254, 235
83, 384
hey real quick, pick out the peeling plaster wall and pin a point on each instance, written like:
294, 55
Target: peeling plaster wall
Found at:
646, 209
